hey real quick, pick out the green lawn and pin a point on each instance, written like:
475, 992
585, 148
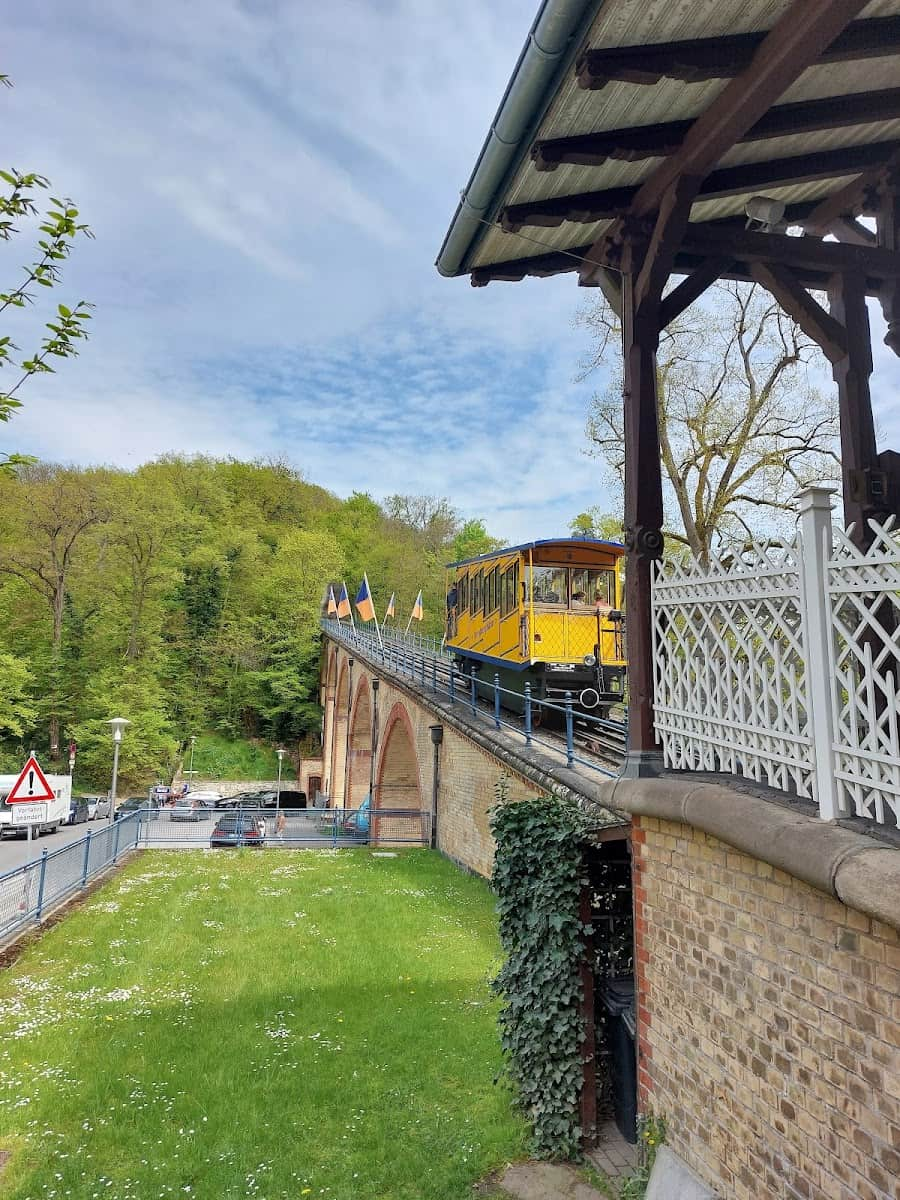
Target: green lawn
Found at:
218, 757
246, 1024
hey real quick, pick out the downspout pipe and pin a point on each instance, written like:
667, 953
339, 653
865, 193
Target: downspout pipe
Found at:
437, 738
556, 26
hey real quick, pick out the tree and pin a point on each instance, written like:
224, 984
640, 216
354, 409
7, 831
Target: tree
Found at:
16, 708
473, 539
48, 512
741, 428
59, 227
432, 516
597, 524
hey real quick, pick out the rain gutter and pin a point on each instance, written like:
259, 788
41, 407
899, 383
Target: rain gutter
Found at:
555, 36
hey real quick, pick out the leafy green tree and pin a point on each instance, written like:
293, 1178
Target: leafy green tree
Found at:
58, 227
17, 711
473, 539
598, 524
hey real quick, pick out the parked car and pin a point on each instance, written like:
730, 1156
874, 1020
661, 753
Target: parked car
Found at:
133, 803
189, 808
238, 829
246, 800
288, 799
206, 799
97, 805
78, 811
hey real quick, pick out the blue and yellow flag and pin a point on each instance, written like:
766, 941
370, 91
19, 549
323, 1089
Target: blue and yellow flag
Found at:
364, 605
332, 603
343, 604
418, 611
391, 610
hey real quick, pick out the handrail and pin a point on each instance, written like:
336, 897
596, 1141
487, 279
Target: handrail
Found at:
400, 654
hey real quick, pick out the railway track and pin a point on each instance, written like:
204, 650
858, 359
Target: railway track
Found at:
606, 743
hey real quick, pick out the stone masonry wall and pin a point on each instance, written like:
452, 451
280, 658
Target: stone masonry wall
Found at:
769, 1023
468, 773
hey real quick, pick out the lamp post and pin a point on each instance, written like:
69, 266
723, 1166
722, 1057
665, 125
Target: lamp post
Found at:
191, 768
118, 725
281, 753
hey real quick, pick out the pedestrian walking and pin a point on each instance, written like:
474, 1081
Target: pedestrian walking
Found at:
280, 823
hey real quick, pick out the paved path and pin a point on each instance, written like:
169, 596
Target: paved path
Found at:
15, 851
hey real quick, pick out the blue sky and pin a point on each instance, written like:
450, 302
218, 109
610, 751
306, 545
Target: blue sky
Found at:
269, 184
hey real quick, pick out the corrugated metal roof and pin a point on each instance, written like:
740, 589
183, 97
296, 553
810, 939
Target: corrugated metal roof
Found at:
574, 110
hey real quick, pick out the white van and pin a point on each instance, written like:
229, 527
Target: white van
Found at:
55, 811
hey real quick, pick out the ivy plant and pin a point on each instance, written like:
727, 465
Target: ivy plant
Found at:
538, 877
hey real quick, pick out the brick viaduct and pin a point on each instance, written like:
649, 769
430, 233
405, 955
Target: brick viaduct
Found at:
766, 940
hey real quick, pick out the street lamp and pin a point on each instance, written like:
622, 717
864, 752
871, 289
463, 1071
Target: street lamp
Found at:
191, 768
118, 725
281, 753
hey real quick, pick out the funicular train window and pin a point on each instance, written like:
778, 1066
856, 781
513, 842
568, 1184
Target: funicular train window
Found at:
462, 592
490, 592
551, 586
477, 588
593, 588
508, 601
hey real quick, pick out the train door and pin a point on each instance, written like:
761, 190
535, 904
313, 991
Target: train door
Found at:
509, 611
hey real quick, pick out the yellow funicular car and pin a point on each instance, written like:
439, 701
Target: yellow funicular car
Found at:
547, 613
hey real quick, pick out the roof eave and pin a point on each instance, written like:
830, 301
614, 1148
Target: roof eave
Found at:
552, 42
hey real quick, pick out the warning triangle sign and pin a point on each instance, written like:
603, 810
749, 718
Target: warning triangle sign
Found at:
31, 785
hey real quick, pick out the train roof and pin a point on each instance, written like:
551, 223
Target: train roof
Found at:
568, 543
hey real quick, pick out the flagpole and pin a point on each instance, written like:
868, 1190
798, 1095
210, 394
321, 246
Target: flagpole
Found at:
350, 602
374, 613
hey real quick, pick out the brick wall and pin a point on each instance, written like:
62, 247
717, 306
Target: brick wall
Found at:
769, 1023
468, 772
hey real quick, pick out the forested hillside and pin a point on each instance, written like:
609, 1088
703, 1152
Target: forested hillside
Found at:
185, 596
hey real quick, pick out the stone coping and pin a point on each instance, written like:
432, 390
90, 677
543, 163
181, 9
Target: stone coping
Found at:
853, 867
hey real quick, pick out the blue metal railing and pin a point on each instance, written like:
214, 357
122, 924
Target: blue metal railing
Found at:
426, 659
29, 891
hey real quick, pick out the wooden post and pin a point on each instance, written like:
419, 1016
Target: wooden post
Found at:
643, 520
859, 455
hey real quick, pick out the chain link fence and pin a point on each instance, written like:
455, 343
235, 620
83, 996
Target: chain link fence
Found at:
30, 891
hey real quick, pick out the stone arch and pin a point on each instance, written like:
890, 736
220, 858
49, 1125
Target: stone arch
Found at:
360, 765
399, 779
339, 736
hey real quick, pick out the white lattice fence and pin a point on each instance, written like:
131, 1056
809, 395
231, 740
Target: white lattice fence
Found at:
730, 668
864, 604
783, 665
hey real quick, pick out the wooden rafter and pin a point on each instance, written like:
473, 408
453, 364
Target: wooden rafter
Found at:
691, 289
723, 57
559, 262
805, 254
796, 301
801, 35
610, 203
652, 141
858, 195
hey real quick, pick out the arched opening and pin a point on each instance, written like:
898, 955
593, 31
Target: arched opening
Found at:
398, 786
359, 768
398, 774
339, 738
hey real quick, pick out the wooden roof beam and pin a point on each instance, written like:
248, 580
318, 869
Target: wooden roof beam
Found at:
558, 262
723, 57
653, 141
611, 203
798, 253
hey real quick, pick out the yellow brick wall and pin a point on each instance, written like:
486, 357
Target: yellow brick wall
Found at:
770, 1032
468, 773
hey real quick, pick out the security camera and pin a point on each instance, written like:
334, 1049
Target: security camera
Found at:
765, 214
